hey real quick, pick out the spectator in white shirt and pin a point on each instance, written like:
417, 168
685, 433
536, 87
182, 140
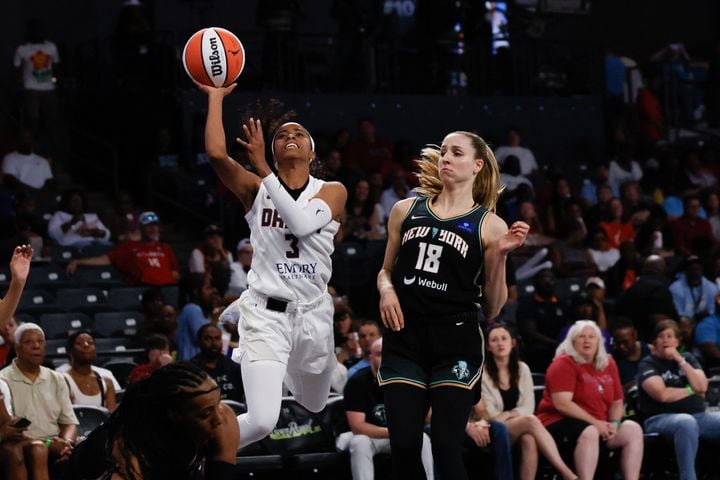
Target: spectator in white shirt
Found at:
72, 226
623, 168
528, 164
23, 169
240, 268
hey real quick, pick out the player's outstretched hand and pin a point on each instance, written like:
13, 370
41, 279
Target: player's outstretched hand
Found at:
255, 146
223, 91
20, 262
514, 238
390, 311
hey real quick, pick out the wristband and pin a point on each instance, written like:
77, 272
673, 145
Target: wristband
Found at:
48, 442
689, 389
617, 423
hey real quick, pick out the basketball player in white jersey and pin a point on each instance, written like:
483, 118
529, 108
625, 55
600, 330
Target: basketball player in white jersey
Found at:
285, 315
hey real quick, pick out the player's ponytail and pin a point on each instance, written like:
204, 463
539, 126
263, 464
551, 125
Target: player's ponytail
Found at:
486, 188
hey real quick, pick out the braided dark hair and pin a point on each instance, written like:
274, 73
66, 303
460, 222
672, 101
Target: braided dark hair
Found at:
143, 425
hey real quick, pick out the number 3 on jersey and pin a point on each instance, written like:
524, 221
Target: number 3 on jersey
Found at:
429, 257
294, 251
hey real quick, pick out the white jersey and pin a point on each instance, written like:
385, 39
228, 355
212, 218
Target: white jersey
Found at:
284, 266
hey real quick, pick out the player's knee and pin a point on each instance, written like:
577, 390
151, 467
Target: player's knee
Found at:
38, 453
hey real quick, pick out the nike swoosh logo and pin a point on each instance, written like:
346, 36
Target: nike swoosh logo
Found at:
408, 281
319, 210
415, 217
459, 323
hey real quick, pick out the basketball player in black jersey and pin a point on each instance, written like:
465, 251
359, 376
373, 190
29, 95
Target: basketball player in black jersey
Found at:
444, 262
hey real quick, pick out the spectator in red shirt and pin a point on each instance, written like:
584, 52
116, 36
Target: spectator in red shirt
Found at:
692, 233
157, 351
617, 229
369, 153
583, 403
147, 262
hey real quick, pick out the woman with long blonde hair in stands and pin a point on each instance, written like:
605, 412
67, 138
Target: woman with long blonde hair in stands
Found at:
444, 266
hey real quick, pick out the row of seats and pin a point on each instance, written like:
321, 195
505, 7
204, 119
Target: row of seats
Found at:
53, 276
102, 324
88, 300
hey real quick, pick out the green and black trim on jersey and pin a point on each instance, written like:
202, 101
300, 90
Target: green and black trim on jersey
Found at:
439, 268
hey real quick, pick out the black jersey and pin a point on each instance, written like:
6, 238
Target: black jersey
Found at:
439, 268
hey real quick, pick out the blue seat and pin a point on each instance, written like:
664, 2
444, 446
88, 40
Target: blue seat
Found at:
86, 299
118, 324
105, 276
36, 302
126, 298
90, 417
51, 277
62, 325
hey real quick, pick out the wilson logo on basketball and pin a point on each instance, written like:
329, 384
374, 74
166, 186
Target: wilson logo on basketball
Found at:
216, 68
214, 57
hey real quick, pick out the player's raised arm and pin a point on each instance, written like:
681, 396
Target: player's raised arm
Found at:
237, 179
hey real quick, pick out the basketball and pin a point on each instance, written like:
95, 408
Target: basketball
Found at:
214, 56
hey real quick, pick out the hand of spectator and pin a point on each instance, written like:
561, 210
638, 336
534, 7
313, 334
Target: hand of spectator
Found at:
514, 238
60, 449
20, 262
390, 311
9, 433
165, 358
222, 91
255, 147
479, 432
71, 267
604, 428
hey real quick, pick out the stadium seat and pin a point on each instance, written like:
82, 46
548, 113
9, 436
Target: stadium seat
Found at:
63, 255
126, 298
62, 325
117, 324
110, 345
36, 302
90, 417
120, 369
566, 288
171, 293
4, 279
51, 277
25, 318
105, 276
538, 378
55, 347
88, 300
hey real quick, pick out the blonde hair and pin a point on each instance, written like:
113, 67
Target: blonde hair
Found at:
601, 357
486, 187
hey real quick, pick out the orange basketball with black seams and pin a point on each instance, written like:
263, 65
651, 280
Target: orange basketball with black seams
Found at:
214, 56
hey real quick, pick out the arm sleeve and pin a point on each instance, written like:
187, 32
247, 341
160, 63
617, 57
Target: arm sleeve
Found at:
300, 221
490, 395
526, 400
354, 397
67, 414
54, 227
646, 369
560, 376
